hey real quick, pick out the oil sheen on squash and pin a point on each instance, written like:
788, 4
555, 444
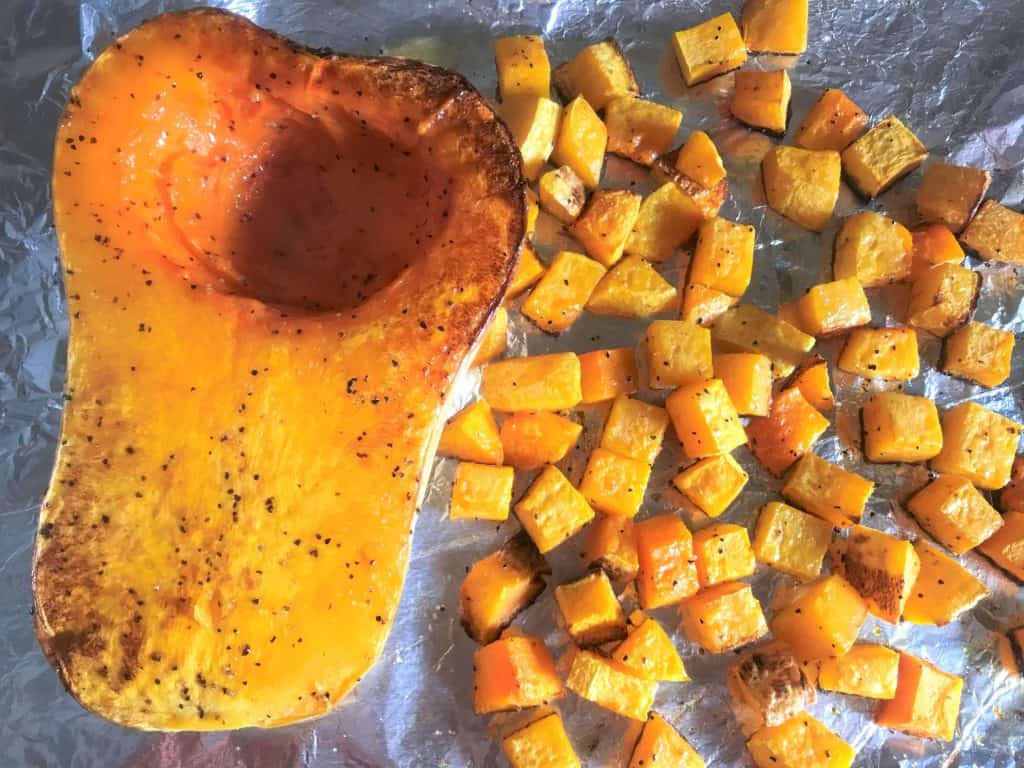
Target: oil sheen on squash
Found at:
276, 261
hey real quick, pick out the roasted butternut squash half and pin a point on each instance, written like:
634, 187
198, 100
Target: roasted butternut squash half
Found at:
278, 260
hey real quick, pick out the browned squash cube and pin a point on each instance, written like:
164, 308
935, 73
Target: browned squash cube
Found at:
699, 160
832, 123
775, 26
746, 328
979, 353
705, 419
791, 541
560, 296
800, 742
761, 99
523, 66
822, 619
1005, 548
812, 379
943, 298
632, 288
481, 492
607, 373
528, 271
934, 244
707, 200
831, 308
615, 484
927, 701
996, 233
874, 249
552, 510
543, 742
472, 435
668, 568
883, 568
827, 490
562, 194
659, 743
724, 256
581, 142
709, 49
678, 353
703, 305
867, 670
609, 684
767, 686
950, 194
668, 218
533, 122
535, 438
979, 444
881, 156
899, 427
723, 554
590, 610
648, 652
944, 589
802, 184
881, 353
605, 224
512, 673
786, 433
712, 483
640, 130
598, 73
611, 546
723, 617
748, 379
495, 339
635, 429
954, 513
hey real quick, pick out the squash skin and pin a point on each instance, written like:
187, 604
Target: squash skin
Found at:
205, 559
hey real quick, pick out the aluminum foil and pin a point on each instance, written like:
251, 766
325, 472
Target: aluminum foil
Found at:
952, 70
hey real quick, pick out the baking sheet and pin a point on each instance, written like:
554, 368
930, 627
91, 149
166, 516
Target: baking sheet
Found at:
951, 69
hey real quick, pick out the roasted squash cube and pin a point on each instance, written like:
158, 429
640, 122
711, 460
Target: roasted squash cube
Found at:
591, 610
866, 670
640, 130
635, 429
668, 218
699, 160
881, 353
979, 353
831, 308
523, 66
1005, 548
767, 686
598, 73
748, 379
827, 490
709, 49
514, 672
501, 586
822, 619
927, 701
791, 541
495, 339
954, 513
775, 26
1011, 498
708, 201
832, 123
996, 233
532, 439
615, 484
552, 510
786, 433
562, 194
611, 546
812, 379
648, 651
802, 184
874, 249
703, 305
608, 373
943, 298
934, 244
761, 99
712, 483
661, 744
558, 299
723, 258
800, 742
581, 141
605, 224
705, 419
542, 743
610, 685
481, 491
884, 154
533, 122
882, 567
944, 589
472, 435
539, 383
950, 194
723, 617
632, 288
723, 554
979, 444
899, 427
528, 271
667, 568
678, 353
746, 328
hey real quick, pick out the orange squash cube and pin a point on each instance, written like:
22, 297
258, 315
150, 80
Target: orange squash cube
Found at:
1011, 498
831, 308
832, 123
535, 438
767, 686
699, 160
954, 513
996, 233
667, 568
950, 194
598, 73
934, 244
927, 701
615, 484
748, 379
812, 379
723, 617
703, 305
880, 157
610, 685
523, 66
761, 99
944, 589
640, 130
822, 619
472, 435
611, 546
605, 223
552, 510
712, 483
709, 49
590, 610
706, 201
540, 383
648, 652
775, 26
607, 373
667, 220
533, 122
882, 567
786, 433
481, 492
867, 670
558, 299
802, 184
791, 541
979, 353
723, 554
800, 742
943, 298
634, 429
678, 353
724, 256
899, 427
495, 339
660, 743
633, 288
514, 672
874, 249
542, 743
528, 271
881, 353
562, 194
979, 444
827, 490
581, 141
705, 419
1005, 548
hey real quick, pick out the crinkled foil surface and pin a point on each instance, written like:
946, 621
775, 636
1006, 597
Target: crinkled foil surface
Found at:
953, 70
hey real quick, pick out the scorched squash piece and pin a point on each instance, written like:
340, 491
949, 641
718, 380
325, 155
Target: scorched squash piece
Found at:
277, 262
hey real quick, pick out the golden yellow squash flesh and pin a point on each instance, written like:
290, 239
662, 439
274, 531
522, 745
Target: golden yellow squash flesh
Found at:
276, 262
